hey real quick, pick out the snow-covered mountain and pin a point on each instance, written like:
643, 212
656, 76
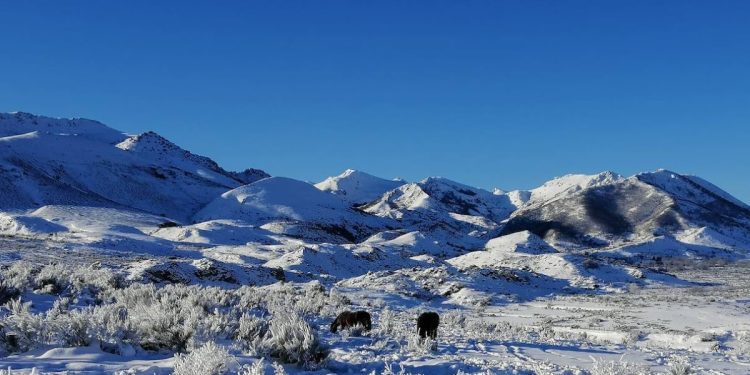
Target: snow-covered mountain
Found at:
608, 210
443, 199
559, 187
358, 187
79, 181
285, 200
46, 161
451, 215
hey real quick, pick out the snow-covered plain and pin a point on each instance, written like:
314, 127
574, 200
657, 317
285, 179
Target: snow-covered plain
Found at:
127, 254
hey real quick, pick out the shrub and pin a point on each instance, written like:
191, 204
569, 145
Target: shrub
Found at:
589, 263
251, 332
75, 328
257, 368
617, 368
165, 325
388, 370
292, 340
260, 368
209, 359
23, 330
386, 322
20, 274
115, 330
678, 366
51, 279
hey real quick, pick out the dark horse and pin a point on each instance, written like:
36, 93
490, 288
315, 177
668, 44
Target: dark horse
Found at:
427, 325
348, 319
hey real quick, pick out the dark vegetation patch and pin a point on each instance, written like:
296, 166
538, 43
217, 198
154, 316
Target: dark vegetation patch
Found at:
168, 224
601, 205
157, 173
339, 230
460, 206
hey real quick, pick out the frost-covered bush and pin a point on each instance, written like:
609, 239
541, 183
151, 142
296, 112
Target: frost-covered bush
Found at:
81, 282
742, 344
23, 330
115, 329
307, 299
165, 324
19, 275
250, 332
617, 368
257, 368
51, 279
453, 318
177, 317
75, 328
209, 359
386, 322
388, 370
260, 368
418, 345
96, 306
678, 366
292, 340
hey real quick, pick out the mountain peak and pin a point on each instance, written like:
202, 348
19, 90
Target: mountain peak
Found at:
357, 187
571, 183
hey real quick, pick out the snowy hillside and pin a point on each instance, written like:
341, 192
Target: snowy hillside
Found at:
279, 199
81, 162
618, 210
561, 187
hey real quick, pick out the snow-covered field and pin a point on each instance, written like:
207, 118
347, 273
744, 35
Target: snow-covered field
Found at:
127, 254
701, 323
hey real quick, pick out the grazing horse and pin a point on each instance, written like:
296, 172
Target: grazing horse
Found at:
427, 325
348, 319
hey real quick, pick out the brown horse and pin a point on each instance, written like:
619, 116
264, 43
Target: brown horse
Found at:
348, 319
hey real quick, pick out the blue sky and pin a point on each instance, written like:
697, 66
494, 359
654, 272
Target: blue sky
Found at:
489, 93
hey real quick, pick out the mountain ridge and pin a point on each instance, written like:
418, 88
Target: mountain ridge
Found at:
78, 162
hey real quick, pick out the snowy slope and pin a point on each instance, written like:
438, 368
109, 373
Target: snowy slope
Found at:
284, 199
612, 211
18, 123
357, 187
47, 161
561, 187
438, 194
520, 242
450, 216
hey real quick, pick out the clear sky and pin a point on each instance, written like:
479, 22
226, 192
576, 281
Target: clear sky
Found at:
489, 93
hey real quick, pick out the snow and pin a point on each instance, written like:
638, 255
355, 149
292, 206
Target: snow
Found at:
282, 199
19, 123
78, 162
214, 232
154, 147
274, 198
440, 194
560, 187
18, 225
357, 187
523, 242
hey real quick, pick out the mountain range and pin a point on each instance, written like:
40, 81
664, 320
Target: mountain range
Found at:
79, 181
